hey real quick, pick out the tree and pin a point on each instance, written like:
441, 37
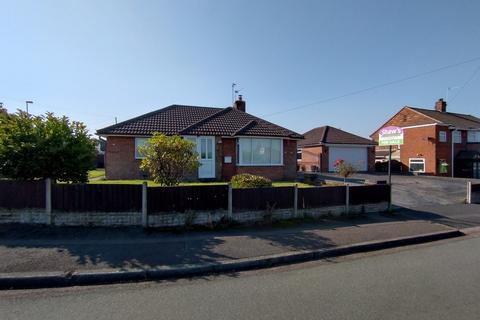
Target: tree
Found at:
39, 147
344, 169
169, 158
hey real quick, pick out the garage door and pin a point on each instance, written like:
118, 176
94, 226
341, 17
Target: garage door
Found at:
355, 155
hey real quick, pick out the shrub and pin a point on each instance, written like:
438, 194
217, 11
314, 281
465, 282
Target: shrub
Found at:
169, 158
344, 169
246, 180
39, 147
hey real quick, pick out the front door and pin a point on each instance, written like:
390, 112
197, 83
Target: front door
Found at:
206, 151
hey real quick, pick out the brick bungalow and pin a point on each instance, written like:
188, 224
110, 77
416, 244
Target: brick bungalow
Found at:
436, 140
229, 141
323, 145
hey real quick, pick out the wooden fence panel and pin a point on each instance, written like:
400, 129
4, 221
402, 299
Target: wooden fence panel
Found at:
183, 198
369, 194
321, 197
96, 197
263, 198
22, 194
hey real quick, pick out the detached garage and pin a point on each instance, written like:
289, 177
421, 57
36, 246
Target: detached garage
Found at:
323, 145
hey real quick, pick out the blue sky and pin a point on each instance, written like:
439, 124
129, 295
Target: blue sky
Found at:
97, 60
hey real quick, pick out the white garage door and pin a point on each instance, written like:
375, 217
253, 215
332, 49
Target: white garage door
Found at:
355, 155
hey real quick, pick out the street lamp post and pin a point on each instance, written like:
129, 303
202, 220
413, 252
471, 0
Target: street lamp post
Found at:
27, 103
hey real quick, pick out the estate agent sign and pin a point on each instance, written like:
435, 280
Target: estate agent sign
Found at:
390, 136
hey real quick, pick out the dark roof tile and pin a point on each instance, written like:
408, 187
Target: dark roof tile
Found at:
462, 121
331, 135
191, 120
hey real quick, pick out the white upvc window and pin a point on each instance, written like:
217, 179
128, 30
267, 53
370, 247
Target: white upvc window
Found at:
259, 151
473, 137
442, 136
192, 139
140, 142
457, 136
416, 164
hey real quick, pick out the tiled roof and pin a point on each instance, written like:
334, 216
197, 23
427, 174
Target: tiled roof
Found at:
462, 121
192, 120
331, 135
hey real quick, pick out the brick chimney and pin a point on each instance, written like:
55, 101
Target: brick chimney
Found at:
240, 104
441, 105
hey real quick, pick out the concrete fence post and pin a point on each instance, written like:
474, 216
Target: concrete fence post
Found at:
295, 200
230, 202
48, 200
347, 199
144, 205
469, 192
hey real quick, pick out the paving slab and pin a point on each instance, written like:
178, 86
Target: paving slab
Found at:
68, 250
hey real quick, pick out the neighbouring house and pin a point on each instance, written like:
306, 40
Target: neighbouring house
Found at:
100, 146
437, 142
323, 145
229, 141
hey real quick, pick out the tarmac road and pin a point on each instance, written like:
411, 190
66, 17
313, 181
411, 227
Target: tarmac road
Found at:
435, 281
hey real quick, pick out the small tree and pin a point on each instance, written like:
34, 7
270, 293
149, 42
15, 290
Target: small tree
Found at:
39, 147
344, 169
168, 158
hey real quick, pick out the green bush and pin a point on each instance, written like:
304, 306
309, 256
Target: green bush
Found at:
246, 180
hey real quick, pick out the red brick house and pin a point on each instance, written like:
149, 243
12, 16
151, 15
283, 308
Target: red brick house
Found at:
323, 145
435, 141
229, 141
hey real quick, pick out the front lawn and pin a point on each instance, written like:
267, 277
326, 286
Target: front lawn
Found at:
96, 174
153, 184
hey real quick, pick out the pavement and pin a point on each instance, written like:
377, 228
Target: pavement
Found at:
426, 209
436, 281
34, 251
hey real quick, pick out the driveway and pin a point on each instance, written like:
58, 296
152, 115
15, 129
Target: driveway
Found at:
415, 191
418, 191
438, 199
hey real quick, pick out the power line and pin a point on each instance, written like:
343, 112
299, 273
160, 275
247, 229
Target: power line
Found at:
465, 84
418, 75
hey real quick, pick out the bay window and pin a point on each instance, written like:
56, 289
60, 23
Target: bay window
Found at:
257, 151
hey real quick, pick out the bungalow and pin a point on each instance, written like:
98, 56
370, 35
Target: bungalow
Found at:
323, 145
229, 141
437, 142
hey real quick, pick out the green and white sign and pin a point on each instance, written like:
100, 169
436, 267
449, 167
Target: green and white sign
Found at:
390, 136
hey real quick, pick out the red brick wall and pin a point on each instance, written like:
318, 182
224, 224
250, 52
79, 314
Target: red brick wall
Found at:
229, 148
420, 143
371, 159
120, 162
312, 156
444, 150
404, 118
